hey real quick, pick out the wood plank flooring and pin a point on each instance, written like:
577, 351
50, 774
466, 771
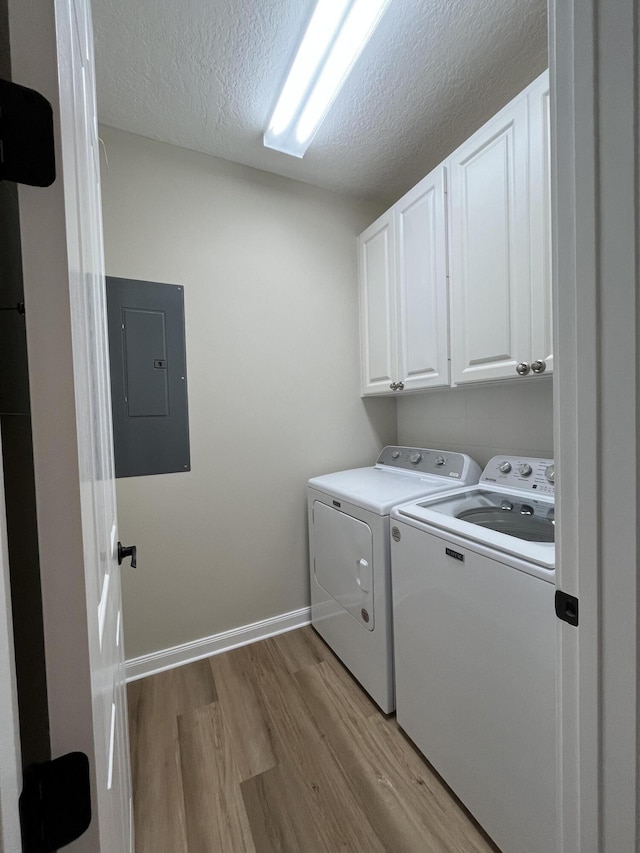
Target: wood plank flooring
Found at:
274, 748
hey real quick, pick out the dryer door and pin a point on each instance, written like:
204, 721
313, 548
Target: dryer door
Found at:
343, 551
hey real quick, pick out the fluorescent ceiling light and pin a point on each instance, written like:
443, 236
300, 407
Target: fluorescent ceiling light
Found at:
335, 38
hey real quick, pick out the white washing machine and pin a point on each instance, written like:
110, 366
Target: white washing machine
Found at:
475, 625
349, 553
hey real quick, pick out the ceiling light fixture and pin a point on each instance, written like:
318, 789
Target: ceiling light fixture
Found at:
335, 38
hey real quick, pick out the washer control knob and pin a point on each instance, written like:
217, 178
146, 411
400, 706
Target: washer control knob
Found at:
395, 454
415, 457
507, 506
505, 467
524, 469
550, 473
440, 460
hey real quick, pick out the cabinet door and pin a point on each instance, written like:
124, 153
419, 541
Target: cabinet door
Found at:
377, 306
489, 242
421, 283
540, 201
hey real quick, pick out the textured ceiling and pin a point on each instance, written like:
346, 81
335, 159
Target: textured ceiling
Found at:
204, 74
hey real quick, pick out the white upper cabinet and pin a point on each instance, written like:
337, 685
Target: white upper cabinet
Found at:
403, 293
484, 297
489, 240
421, 284
378, 335
500, 280
540, 209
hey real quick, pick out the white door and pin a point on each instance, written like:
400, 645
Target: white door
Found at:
540, 210
489, 249
421, 281
63, 270
376, 272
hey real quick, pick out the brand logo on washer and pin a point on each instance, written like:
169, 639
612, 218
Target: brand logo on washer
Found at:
455, 554
395, 534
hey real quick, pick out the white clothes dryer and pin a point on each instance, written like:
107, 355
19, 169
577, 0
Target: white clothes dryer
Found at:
350, 555
475, 656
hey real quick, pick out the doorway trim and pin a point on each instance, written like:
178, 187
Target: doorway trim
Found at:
594, 66
10, 762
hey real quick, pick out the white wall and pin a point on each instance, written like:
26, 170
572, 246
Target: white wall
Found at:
512, 417
269, 271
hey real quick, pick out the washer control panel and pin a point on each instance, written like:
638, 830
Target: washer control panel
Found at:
521, 472
440, 462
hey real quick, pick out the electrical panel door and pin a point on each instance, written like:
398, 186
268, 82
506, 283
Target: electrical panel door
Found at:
148, 377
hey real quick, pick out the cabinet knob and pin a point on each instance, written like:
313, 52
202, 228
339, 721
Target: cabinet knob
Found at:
394, 386
538, 366
522, 369
399, 386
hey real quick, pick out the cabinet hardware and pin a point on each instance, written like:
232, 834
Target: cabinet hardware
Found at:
538, 366
523, 368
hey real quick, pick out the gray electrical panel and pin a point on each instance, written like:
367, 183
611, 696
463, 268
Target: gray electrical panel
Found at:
148, 377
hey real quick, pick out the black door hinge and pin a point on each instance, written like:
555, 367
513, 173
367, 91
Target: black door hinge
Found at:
55, 803
27, 153
567, 607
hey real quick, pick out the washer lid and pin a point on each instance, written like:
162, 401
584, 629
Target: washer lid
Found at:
511, 522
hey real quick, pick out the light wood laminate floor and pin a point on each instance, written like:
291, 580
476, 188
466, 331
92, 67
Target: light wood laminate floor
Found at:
275, 747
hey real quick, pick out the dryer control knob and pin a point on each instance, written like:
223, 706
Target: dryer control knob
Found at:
550, 473
505, 467
525, 469
440, 461
395, 454
415, 457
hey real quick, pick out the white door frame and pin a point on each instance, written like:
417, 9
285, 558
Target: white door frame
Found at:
594, 61
10, 760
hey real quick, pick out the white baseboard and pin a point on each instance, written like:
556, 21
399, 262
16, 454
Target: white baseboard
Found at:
197, 649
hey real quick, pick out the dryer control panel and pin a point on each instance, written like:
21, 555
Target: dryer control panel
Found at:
441, 463
521, 472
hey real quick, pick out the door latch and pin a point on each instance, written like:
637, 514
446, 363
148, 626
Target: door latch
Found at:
567, 607
125, 551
